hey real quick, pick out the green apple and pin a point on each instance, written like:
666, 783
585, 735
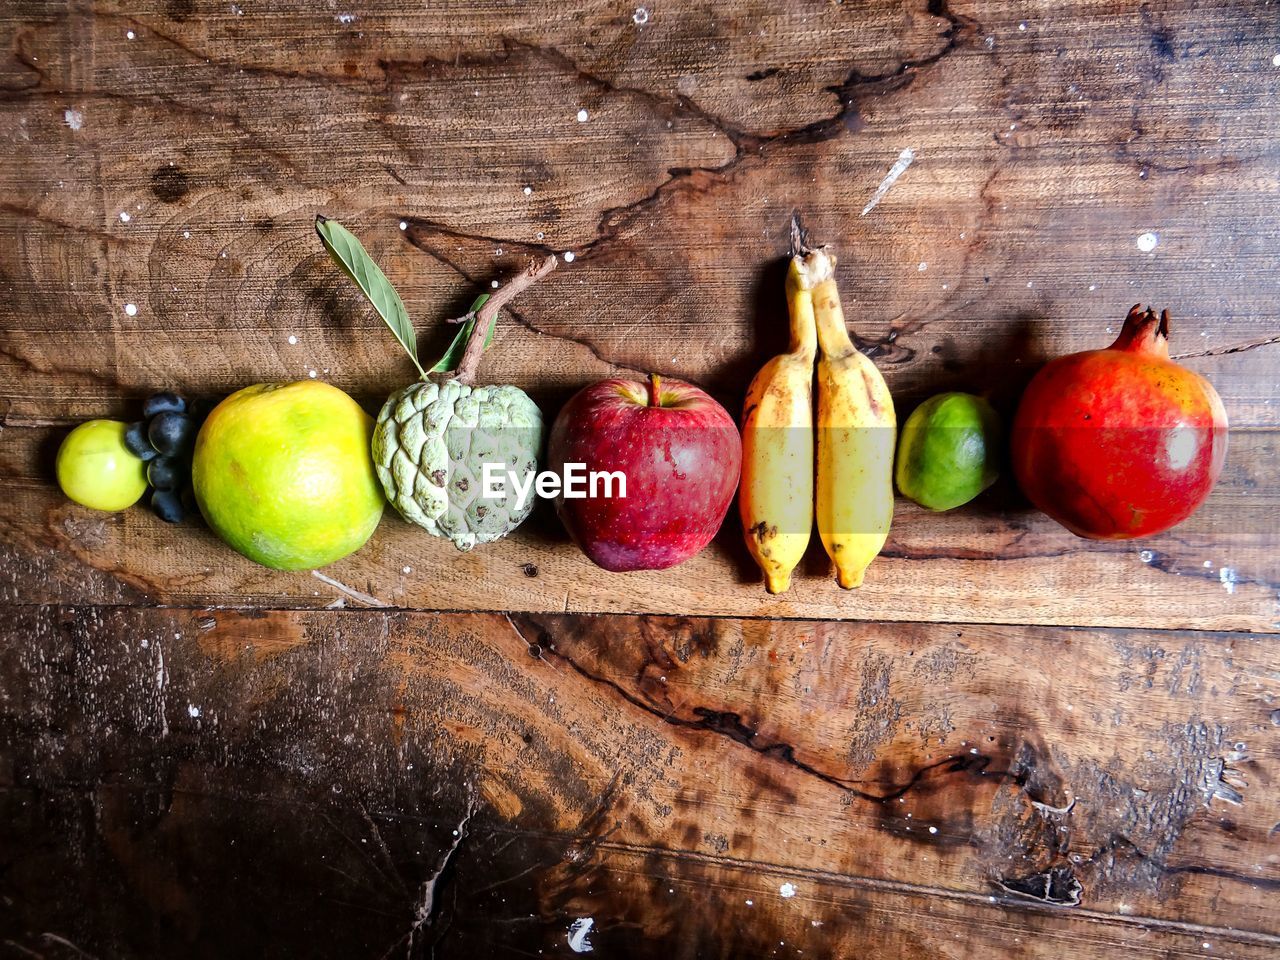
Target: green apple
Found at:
283, 473
97, 470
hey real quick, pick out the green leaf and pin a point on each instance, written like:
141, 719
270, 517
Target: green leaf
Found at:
453, 356
359, 266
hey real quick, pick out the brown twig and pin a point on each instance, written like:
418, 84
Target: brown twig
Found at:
799, 236
488, 314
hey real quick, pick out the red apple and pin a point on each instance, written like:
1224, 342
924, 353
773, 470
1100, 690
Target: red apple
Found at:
680, 453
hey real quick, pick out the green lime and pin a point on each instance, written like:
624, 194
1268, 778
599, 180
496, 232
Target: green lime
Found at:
283, 473
948, 451
97, 470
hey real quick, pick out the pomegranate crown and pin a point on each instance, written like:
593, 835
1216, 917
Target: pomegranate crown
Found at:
1144, 332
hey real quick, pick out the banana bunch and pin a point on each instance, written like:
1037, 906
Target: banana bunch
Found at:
855, 438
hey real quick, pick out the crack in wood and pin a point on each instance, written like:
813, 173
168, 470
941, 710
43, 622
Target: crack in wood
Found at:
1057, 886
429, 908
420, 228
1028, 905
747, 145
1120, 841
728, 724
64, 942
27, 213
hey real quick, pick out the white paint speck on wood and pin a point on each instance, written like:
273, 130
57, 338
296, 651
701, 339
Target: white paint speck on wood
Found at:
74, 118
905, 159
354, 594
579, 931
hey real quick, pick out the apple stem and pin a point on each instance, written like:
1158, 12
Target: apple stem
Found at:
655, 390
487, 315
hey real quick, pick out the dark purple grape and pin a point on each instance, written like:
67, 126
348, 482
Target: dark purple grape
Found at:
167, 505
159, 403
172, 434
136, 442
166, 473
198, 408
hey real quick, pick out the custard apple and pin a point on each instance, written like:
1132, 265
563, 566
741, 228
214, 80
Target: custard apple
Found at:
430, 446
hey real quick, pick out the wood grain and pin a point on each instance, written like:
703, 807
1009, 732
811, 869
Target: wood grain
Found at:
996, 562
665, 777
1046, 142
198, 758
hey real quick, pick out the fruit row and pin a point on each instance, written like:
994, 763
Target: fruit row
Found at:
1114, 443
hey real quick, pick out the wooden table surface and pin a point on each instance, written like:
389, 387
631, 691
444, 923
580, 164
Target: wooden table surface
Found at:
1009, 742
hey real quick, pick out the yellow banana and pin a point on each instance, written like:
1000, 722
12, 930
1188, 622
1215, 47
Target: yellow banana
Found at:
776, 497
856, 433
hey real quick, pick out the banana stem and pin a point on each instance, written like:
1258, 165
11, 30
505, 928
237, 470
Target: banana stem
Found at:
804, 337
488, 315
833, 335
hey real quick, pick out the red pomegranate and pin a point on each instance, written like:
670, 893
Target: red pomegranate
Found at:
1121, 442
